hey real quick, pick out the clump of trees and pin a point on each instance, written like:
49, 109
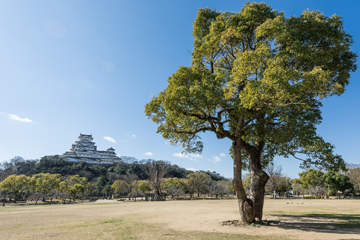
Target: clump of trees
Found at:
318, 183
195, 184
44, 186
311, 182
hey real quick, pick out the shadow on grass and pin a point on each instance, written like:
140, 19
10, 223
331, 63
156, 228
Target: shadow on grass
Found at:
321, 222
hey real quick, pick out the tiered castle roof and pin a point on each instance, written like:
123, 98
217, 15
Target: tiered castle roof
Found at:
85, 150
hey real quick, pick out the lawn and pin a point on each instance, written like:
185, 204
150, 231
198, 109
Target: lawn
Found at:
198, 219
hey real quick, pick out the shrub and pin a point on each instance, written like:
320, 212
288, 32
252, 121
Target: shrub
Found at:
312, 197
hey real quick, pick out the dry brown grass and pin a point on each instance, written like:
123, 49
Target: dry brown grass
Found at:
198, 219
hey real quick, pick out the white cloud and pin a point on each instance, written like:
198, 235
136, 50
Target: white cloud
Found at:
166, 142
149, 154
190, 156
180, 155
110, 139
222, 155
134, 136
17, 118
191, 169
215, 159
1, 113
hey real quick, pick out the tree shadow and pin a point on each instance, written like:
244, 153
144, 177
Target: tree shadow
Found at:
319, 222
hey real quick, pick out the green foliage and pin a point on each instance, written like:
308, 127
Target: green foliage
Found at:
261, 76
196, 182
311, 178
120, 186
312, 197
338, 182
247, 182
45, 182
16, 184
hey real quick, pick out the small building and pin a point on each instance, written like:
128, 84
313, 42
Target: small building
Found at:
85, 150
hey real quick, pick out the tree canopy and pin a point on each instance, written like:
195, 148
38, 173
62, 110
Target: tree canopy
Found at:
260, 72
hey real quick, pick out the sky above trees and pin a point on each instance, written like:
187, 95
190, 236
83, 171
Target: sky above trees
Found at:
71, 67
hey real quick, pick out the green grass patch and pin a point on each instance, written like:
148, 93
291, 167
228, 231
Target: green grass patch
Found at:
112, 221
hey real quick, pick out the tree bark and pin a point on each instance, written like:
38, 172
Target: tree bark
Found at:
258, 179
246, 206
257, 192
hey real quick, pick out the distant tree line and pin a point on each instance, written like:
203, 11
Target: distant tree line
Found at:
313, 182
21, 179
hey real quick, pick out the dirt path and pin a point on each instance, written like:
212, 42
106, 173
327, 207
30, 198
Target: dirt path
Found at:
183, 216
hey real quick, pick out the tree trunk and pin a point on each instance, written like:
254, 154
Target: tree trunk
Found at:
258, 180
4, 200
246, 206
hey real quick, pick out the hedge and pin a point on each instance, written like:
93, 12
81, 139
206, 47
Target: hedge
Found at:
312, 197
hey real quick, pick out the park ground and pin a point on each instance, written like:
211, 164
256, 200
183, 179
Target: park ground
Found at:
183, 219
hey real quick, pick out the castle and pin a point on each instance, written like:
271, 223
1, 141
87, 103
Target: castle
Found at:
85, 150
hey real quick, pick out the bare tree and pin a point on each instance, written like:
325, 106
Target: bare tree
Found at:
129, 179
213, 188
354, 174
225, 188
296, 187
62, 196
275, 174
36, 196
4, 194
174, 191
318, 190
156, 171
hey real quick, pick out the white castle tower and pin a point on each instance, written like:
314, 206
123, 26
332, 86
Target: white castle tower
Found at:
85, 150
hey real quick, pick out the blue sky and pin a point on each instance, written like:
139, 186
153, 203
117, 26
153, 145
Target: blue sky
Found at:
71, 67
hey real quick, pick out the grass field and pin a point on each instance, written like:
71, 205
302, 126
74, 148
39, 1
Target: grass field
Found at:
198, 219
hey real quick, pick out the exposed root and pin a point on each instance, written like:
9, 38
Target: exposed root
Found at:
257, 223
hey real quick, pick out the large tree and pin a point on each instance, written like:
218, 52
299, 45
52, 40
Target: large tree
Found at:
257, 78
338, 182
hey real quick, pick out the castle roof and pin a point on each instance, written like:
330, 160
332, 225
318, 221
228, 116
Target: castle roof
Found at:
85, 135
